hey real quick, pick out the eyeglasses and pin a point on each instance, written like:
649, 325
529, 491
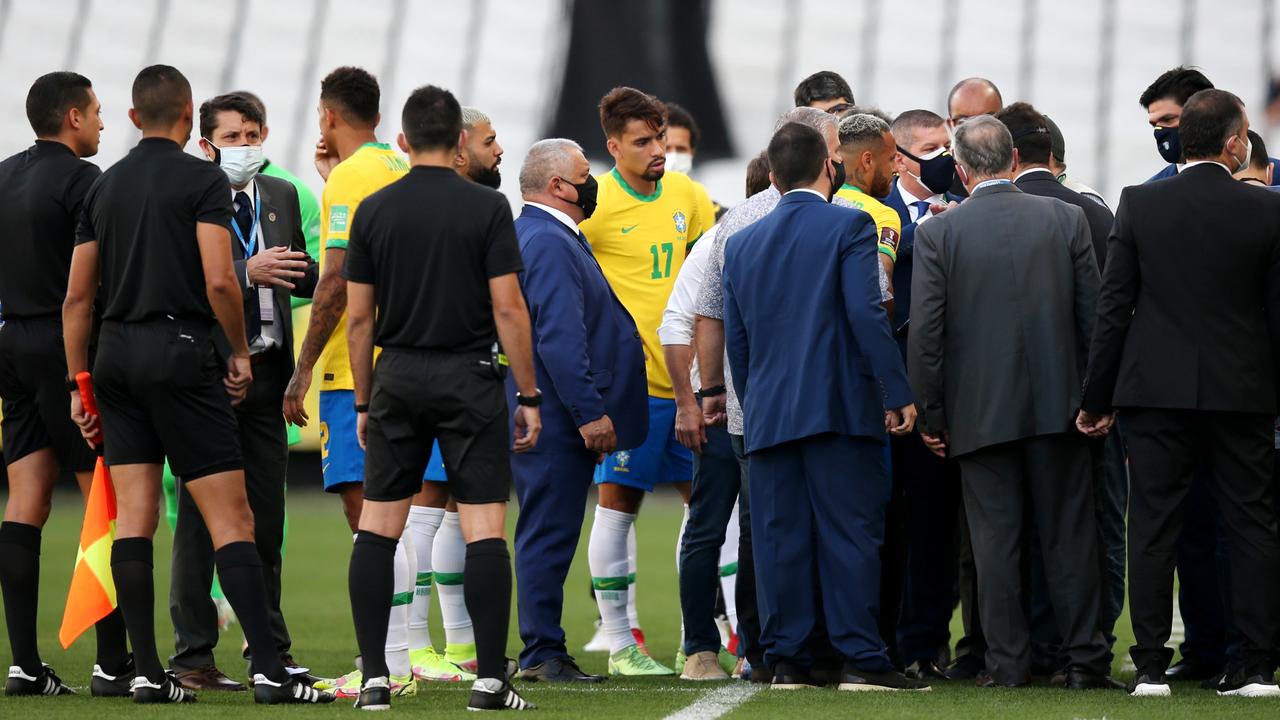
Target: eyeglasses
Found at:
839, 108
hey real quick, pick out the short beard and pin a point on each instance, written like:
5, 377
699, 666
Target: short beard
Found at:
489, 177
653, 175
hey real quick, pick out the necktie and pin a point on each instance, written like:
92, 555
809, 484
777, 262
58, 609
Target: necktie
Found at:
922, 209
244, 222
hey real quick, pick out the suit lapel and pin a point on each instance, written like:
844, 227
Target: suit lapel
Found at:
271, 231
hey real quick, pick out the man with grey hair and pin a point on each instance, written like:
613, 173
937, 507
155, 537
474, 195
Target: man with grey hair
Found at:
719, 401
1002, 301
480, 156
589, 358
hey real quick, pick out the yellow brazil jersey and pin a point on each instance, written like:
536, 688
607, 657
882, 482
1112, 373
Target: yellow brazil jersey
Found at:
640, 242
368, 170
888, 224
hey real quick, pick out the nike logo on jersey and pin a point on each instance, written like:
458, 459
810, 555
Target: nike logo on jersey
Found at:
626, 230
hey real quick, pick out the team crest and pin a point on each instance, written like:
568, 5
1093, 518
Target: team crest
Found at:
681, 223
622, 458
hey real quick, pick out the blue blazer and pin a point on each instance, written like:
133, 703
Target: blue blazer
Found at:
587, 353
809, 345
902, 268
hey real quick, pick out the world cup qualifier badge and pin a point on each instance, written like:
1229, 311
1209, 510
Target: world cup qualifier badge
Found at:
681, 223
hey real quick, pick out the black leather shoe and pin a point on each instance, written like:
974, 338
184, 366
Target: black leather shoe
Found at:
791, 677
207, 677
1191, 671
853, 679
926, 670
558, 669
1079, 679
966, 667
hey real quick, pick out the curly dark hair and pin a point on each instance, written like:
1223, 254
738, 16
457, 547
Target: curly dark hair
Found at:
352, 92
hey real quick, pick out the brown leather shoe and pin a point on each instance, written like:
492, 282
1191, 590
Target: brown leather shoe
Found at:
208, 677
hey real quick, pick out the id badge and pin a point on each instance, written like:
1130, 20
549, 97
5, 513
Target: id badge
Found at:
266, 305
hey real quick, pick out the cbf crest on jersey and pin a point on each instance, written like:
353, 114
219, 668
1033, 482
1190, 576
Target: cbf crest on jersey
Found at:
681, 223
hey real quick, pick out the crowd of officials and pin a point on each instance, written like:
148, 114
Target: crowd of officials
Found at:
918, 367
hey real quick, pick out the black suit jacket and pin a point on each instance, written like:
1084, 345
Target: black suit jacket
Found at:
1043, 183
281, 225
1189, 313
1002, 307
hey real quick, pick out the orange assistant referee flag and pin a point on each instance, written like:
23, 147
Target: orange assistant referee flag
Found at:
93, 593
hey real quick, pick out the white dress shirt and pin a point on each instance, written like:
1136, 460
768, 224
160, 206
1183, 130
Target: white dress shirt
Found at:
272, 332
914, 212
677, 319
557, 214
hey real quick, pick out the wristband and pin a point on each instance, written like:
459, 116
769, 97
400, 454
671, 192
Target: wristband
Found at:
532, 401
714, 391
362, 407
72, 385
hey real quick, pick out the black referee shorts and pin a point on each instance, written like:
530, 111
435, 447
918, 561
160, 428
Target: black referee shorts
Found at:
419, 397
37, 406
160, 394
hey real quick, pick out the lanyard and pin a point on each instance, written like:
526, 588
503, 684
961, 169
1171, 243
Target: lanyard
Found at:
252, 243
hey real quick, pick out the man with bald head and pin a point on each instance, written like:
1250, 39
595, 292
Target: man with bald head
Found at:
970, 98
589, 358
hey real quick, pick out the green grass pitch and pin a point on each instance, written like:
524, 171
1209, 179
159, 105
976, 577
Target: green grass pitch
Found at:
316, 606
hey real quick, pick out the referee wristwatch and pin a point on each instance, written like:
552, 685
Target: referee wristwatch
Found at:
714, 391
532, 401
72, 385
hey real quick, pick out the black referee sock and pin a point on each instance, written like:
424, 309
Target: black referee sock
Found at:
488, 594
132, 570
371, 582
113, 648
240, 571
20, 578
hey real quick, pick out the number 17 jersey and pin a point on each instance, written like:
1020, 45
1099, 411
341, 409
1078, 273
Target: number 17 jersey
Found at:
640, 242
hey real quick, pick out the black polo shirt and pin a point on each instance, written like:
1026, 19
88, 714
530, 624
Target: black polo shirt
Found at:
143, 213
43, 189
429, 243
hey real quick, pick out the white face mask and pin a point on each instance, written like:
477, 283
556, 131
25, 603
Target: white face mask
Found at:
679, 162
240, 162
1248, 153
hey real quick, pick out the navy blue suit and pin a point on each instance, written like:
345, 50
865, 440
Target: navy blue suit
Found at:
929, 489
589, 363
815, 366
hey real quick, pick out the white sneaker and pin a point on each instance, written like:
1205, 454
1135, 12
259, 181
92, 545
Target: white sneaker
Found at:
599, 642
1251, 687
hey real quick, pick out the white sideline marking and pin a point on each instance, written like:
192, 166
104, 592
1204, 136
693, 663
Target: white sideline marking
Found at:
718, 702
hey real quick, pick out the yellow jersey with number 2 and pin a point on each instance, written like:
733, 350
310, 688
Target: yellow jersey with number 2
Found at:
368, 170
640, 242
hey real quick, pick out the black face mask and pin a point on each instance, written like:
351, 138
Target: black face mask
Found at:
587, 192
937, 173
837, 182
1168, 144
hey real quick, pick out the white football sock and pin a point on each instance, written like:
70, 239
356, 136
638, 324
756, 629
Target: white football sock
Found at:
729, 569
397, 647
423, 524
449, 560
633, 614
609, 565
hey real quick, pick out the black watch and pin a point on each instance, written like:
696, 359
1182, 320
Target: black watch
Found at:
362, 408
532, 401
713, 391
72, 385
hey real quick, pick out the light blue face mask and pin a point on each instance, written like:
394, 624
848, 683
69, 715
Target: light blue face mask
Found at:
240, 162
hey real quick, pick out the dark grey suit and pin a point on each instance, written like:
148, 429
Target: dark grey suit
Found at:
1002, 308
264, 443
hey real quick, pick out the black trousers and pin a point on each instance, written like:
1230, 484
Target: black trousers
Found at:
1165, 447
265, 446
1051, 476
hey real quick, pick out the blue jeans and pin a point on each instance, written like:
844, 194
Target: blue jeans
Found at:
717, 485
